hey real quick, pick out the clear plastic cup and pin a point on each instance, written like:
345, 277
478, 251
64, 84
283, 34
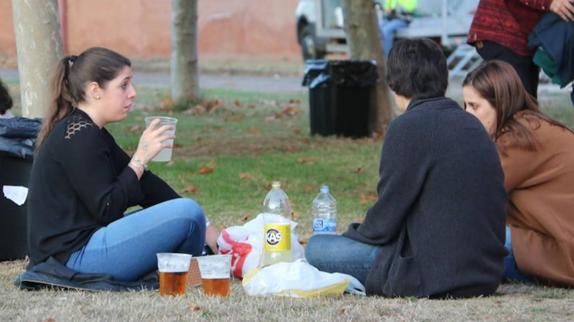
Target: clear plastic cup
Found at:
215, 274
165, 154
173, 273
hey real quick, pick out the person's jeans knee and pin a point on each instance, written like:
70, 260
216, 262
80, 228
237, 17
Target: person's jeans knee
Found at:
388, 29
127, 248
334, 253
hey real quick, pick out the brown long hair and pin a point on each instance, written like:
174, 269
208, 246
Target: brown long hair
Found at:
499, 83
70, 78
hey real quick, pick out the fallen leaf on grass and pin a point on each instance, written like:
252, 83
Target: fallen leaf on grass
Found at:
245, 217
368, 198
287, 111
237, 103
208, 168
196, 110
341, 310
308, 160
166, 104
213, 105
195, 307
308, 188
254, 130
291, 149
359, 170
205, 170
190, 189
245, 176
295, 215
205, 107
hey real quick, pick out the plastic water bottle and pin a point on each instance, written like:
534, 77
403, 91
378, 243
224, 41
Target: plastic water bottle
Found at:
324, 212
277, 227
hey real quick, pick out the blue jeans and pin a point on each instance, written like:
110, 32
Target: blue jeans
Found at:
388, 29
126, 249
339, 254
511, 272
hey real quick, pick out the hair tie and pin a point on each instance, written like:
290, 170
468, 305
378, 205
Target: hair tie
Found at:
68, 65
72, 59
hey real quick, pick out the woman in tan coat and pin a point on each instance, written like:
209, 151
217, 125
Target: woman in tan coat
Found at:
537, 156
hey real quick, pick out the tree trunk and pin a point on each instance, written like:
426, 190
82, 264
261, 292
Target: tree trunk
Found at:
39, 48
364, 41
184, 60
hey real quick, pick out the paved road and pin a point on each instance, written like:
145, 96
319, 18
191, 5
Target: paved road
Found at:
267, 84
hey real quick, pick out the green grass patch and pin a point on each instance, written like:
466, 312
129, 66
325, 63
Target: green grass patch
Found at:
233, 144
226, 157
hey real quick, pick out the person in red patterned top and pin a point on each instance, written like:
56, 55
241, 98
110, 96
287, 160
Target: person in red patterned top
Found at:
500, 30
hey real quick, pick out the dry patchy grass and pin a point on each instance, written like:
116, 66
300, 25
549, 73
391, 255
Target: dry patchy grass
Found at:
511, 303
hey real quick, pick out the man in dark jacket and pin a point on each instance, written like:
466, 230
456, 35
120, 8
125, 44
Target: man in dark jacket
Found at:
437, 228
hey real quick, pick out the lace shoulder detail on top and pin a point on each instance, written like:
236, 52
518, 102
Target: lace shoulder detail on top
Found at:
76, 125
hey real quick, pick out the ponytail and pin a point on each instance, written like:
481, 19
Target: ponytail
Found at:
62, 102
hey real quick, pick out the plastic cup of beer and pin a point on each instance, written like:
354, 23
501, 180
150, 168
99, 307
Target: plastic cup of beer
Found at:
165, 154
173, 273
215, 274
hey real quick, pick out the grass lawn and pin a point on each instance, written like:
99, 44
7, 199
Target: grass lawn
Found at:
228, 150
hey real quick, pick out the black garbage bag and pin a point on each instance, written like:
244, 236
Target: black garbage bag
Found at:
18, 136
347, 73
340, 96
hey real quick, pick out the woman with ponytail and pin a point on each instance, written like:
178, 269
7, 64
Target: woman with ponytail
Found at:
82, 182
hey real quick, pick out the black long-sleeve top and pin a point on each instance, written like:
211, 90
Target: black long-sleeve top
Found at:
440, 215
80, 182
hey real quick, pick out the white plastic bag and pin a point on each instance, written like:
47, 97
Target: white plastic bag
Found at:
298, 279
245, 244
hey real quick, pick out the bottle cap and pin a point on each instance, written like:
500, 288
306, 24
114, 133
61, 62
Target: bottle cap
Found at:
324, 188
276, 184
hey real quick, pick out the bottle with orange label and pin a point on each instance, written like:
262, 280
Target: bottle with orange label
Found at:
277, 227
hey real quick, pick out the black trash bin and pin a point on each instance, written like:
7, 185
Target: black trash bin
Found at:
17, 139
341, 96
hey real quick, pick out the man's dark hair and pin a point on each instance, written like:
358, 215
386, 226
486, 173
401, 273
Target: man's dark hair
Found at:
416, 69
5, 99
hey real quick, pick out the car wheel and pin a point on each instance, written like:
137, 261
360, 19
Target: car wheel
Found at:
308, 41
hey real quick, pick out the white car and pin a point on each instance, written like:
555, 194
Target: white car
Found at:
320, 32
312, 46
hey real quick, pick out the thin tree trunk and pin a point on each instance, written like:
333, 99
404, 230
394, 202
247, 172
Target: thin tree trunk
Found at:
364, 41
39, 48
184, 59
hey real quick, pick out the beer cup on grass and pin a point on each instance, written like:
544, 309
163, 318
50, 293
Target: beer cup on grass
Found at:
173, 272
165, 154
215, 274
